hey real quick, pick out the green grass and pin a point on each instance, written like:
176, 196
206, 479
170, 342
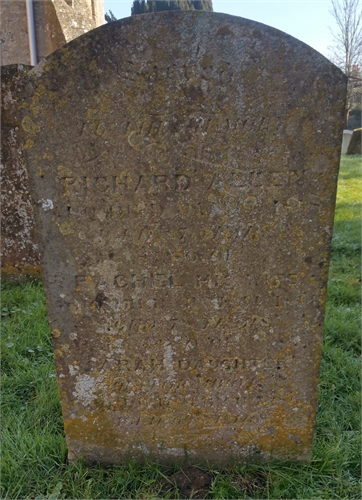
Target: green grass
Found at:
33, 445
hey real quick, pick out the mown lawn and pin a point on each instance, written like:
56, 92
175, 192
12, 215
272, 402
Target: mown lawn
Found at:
33, 446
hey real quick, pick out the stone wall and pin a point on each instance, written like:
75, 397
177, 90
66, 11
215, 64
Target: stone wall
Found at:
56, 23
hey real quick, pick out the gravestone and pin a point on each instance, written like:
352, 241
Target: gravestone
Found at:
19, 249
355, 144
347, 136
184, 168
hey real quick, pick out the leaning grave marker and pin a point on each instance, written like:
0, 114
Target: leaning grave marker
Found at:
184, 168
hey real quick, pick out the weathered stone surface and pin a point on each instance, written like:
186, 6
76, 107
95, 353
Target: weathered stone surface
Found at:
185, 169
355, 144
56, 23
19, 250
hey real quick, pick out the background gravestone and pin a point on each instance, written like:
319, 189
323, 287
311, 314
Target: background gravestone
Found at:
355, 144
19, 250
347, 136
184, 166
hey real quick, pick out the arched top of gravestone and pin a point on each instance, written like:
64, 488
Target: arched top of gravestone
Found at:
173, 65
167, 34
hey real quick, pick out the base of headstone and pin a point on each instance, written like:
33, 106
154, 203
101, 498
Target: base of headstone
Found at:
216, 455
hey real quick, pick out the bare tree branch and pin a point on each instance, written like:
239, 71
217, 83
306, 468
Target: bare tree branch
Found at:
346, 51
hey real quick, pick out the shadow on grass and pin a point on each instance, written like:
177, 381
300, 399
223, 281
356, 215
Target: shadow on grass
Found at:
351, 208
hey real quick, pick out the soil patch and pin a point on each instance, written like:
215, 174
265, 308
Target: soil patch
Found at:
191, 483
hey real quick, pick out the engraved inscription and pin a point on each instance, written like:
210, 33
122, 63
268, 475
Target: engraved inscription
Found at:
124, 182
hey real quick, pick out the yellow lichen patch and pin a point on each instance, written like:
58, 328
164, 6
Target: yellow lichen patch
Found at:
29, 143
67, 228
207, 233
59, 353
101, 130
298, 234
187, 210
135, 139
35, 106
177, 255
250, 202
64, 172
140, 207
254, 237
294, 205
61, 104
75, 308
20, 271
124, 178
30, 126
274, 282
39, 171
55, 332
31, 271
9, 271
287, 432
92, 113
98, 425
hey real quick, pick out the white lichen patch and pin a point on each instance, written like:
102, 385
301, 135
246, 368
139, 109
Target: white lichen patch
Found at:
167, 360
176, 452
73, 370
86, 388
117, 347
215, 303
46, 204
